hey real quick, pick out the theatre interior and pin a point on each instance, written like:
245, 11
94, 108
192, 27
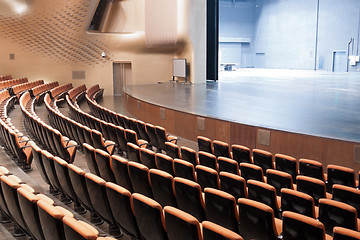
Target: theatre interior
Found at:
179, 119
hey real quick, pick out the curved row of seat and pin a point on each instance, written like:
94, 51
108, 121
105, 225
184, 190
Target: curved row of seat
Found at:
5, 77
39, 91
51, 137
95, 92
19, 89
77, 93
12, 82
58, 92
37, 216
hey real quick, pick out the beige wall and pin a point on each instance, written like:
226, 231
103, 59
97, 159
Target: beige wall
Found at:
50, 41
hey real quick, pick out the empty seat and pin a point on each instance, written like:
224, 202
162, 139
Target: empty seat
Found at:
181, 225
131, 137
165, 163
297, 226
340, 175
119, 166
39, 162
172, 150
257, 221
149, 217
51, 220
133, 152
120, 204
77, 178
162, 185
212, 231
251, 171
208, 159
221, 209
48, 160
189, 155
207, 177
233, 184
286, 164
279, 180
347, 195
189, 197
311, 168
91, 163
152, 136
241, 154
184, 169
163, 137
205, 144
140, 178
100, 201
142, 131
312, 186
337, 214
221, 149
341, 233
147, 157
103, 160
263, 159
78, 230
298, 202
102, 144
121, 140
265, 193
228, 165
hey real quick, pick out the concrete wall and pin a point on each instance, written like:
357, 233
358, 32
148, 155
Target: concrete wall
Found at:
283, 32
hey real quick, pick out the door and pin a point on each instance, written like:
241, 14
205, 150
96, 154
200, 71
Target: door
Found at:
121, 77
339, 61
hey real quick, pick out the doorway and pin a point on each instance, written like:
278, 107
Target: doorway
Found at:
121, 77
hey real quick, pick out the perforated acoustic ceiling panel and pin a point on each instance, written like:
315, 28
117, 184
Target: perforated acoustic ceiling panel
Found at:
56, 31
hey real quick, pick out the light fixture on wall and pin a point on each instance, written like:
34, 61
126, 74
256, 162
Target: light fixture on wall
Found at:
103, 54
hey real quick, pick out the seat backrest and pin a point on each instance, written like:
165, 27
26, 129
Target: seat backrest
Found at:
119, 166
133, 152
241, 154
312, 186
347, 195
221, 149
78, 230
205, 144
89, 152
103, 161
286, 164
97, 139
298, 202
340, 175
98, 197
251, 171
189, 197
208, 159
337, 214
152, 135
207, 177
221, 209
120, 204
148, 157
181, 225
297, 226
121, 139
131, 136
142, 131
50, 169
311, 168
212, 231
149, 217
165, 163
341, 233
140, 178
189, 155
233, 184
184, 169
172, 150
228, 165
161, 136
162, 186
39, 163
263, 159
256, 220
62, 172
263, 192
279, 180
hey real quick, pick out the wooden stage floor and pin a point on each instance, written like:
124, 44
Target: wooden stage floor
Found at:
313, 103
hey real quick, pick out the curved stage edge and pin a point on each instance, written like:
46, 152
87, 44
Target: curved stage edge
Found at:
189, 126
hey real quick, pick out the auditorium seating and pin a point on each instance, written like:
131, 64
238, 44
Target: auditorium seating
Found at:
233, 184
228, 165
341, 233
298, 202
207, 177
5, 77
184, 169
279, 180
312, 186
205, 144
286, 164
221, 149
189, 155
347, 195
212, 231
311, 168
162, 186
208, 159
241, 154
251, 171
59, 91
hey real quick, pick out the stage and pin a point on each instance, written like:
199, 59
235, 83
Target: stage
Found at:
269, 109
